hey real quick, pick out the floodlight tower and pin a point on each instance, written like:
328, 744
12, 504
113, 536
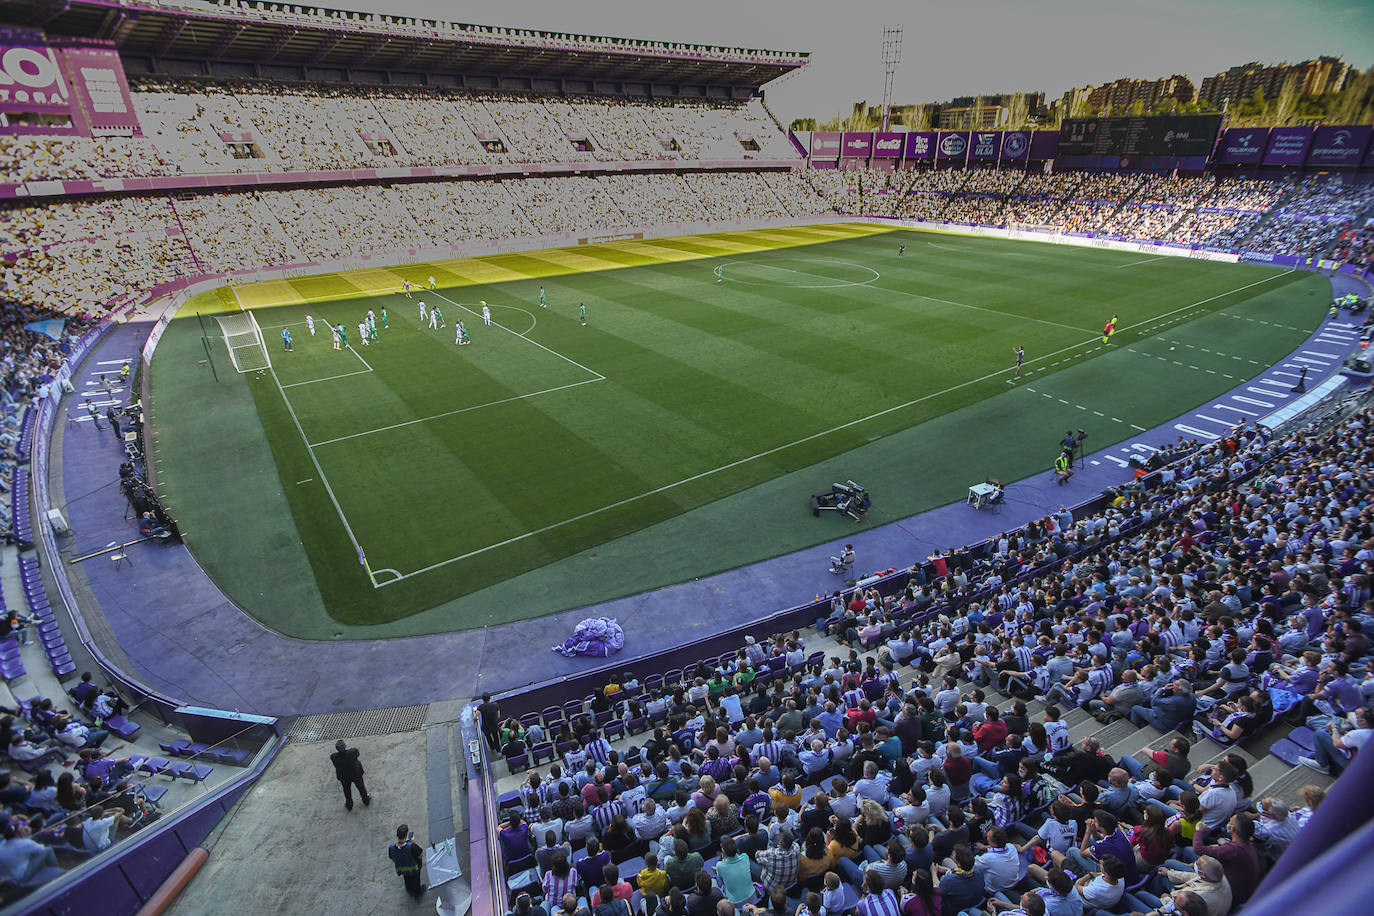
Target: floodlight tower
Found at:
892, 56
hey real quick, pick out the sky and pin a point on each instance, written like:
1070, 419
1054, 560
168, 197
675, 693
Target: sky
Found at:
958, 47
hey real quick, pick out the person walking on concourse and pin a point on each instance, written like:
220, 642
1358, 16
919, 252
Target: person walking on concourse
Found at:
348, 769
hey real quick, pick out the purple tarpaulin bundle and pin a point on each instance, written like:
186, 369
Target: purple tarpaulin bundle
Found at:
596, 637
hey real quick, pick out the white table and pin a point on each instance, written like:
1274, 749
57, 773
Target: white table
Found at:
979, 493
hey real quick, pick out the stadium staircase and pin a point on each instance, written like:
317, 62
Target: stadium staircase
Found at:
181, 227
1191, 211
1267, 217
1121, 205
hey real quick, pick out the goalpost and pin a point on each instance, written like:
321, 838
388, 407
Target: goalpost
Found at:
243, 339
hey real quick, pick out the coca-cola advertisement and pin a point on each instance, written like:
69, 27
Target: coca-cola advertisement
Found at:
887, 145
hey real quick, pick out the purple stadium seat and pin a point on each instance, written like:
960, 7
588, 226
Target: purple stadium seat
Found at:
122, 727
1303, 737
1288, 751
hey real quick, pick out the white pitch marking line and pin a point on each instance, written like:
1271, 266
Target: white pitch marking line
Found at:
598, 375
306, 480
328, 378
804, 439
1319, 353
450, 413
1143, 261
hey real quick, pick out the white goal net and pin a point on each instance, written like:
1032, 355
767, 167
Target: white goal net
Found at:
244, 341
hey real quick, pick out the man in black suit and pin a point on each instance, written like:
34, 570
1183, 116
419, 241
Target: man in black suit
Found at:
348, 769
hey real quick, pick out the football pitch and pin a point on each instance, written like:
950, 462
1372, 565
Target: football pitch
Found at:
680, 430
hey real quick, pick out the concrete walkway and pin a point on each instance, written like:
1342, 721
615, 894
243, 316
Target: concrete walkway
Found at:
182, 636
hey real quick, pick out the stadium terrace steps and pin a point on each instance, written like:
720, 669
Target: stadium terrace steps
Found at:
1287, 786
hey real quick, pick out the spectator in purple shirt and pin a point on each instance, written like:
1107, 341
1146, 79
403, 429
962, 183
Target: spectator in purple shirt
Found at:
1238, 858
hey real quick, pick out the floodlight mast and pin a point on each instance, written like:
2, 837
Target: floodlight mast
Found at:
892, 56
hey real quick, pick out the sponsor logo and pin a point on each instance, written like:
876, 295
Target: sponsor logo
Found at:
920, 146
30, 75
1262, 257
953, 145
1015, 144
893, 144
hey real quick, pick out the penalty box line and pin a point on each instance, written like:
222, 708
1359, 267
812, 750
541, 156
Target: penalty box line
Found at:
497, 324
330, 378
734, 464
310, 450
596, 377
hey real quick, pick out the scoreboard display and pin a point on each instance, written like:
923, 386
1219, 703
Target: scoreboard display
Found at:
1170, 135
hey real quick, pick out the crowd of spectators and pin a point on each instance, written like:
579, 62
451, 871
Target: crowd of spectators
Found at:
91, 255
87, 256
1356, 246
64, 798
200, 126
927, 767
1313, 216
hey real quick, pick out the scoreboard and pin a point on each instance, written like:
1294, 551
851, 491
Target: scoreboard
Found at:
1170, 135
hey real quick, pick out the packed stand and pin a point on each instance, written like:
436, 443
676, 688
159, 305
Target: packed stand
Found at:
1356, 246
1226, 216
230, 232
555, 205
1160, 203
654, 198
798, 194
64, 798
735, 195
89, 256
206, 126
1313, 217
928, 768
1039, 197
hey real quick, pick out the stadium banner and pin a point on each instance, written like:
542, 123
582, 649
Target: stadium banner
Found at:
1243, 145
1339, 145
986, 144
1288, 145
1369, 157
1015, 144
920, 144
32, 85
887, 145
825, 144
856, 145
952, 145
1044, 144
100, 88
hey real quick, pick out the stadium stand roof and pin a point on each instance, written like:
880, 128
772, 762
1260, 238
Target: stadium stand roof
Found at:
271, 35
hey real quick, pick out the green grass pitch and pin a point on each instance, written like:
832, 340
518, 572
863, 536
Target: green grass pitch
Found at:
679, 432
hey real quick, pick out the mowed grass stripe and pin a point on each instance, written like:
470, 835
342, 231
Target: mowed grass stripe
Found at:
711, 390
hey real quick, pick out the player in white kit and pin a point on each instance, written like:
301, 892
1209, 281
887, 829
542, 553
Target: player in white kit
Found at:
310, 323
486, 313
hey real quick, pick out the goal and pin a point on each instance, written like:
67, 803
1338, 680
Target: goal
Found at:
243, 338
